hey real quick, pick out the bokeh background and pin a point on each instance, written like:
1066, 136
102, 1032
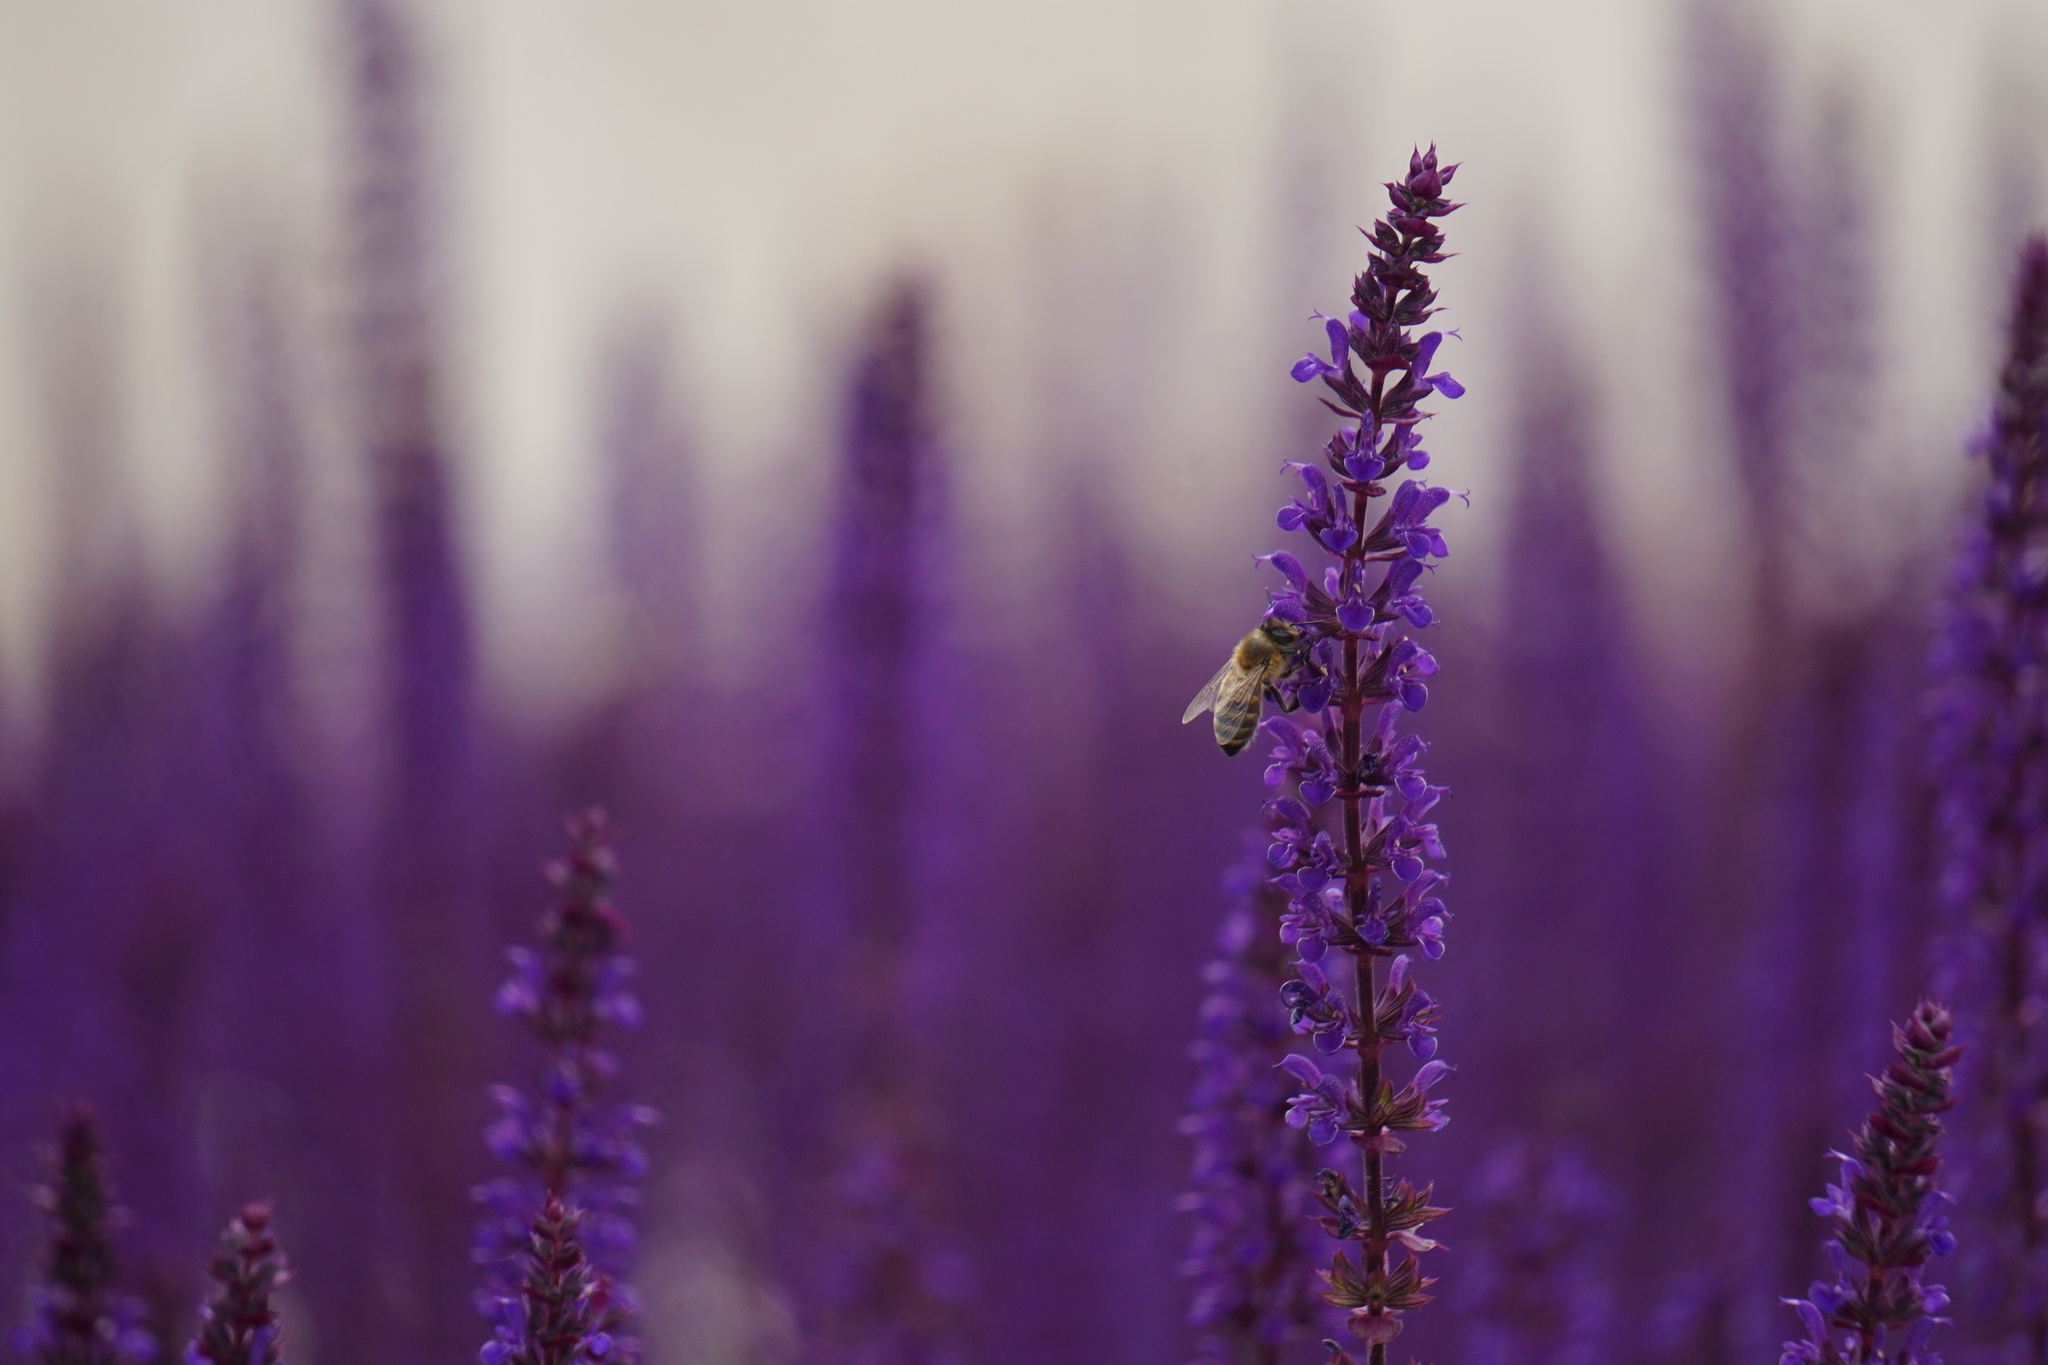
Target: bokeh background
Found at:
834, 437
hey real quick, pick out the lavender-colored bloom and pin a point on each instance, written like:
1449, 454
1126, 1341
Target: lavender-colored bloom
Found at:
1352, 844
1249, 1188
567, 1144
1888, 1216
1991, 711
238, 1325
562, 1312
76, 1318
1535, 1284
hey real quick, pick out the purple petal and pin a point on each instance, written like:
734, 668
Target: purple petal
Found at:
1288, 565
1425, 350
1428, 1075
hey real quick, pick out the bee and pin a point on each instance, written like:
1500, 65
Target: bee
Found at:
1236, 691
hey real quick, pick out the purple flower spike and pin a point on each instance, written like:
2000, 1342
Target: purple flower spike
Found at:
238, 1325
78, 1318
1877, 1310
566, 1144
1990, 710
1351, 852
1250, 1260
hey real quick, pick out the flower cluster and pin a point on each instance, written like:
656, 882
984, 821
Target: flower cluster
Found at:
1991, 728
565, 1141
1352, 842
76, 1318
238, 1325
564, 1312
1887, 1216
1249, 1187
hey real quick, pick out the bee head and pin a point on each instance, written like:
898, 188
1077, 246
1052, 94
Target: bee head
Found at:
1283, 633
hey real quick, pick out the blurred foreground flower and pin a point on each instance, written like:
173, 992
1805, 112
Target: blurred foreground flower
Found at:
238, 1325
1991, 726
1888, 1216
76, 1317
571, 1148
1346, 637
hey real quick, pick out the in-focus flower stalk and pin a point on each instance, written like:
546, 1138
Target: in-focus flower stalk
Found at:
238, 1325
1991, 726
1365, 887
76, 1317
570, 1146
1887, 1216
1250, 1257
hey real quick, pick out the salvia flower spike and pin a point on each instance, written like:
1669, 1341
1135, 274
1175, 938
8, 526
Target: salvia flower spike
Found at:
1990, 705
1353, 845
1254, 1290
563, 1312
1876, 1307
567, 1144
238, 1324
76, 1317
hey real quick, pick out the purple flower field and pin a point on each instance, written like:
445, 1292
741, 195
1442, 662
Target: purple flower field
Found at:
851, 960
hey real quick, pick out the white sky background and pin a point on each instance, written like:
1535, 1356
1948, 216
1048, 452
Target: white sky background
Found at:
1129, 205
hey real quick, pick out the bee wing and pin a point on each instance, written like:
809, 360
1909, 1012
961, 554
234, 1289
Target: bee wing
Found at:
1238, 702
1206, 698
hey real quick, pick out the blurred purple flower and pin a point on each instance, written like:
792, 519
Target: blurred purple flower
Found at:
1991, 751
238, 1325
1887, 1216
1535, 1285
562, 1311
1248, 1190
76, 1318
567, 1145
1351, 849
889, 1280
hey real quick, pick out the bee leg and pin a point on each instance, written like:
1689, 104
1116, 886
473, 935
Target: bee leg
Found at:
1286, 703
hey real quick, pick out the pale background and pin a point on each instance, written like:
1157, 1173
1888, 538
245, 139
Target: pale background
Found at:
1129, 208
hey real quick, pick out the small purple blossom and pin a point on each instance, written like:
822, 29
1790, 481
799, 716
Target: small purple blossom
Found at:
1887, 1216
76, 1317
1351, 846
238, 1325
564, 1142
562, 1312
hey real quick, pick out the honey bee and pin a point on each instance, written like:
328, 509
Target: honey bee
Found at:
1236, 691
